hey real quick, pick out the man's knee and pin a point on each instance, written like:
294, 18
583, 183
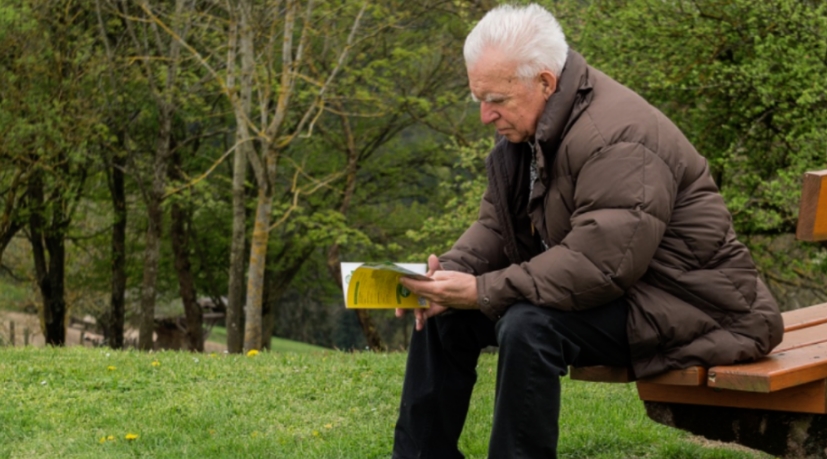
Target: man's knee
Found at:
461, 329
528, 333
522, 323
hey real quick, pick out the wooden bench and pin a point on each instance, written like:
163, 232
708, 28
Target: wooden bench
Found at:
777, 404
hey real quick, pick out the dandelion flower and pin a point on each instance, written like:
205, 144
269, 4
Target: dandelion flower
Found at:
315, 433
131, 436
254, 434
328, 426
102, 440
111, 438
252, 353
110, 368
156, 363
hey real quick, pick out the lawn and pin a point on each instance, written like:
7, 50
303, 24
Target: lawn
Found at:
92, 403
219, 335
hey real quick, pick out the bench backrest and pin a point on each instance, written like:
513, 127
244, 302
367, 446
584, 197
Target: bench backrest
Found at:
812, 213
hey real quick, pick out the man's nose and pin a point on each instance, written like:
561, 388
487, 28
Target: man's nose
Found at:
487, 113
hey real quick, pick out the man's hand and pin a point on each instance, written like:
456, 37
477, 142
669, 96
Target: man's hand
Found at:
447, 289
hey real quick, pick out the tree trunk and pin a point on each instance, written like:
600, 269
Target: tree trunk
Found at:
235, 294
152, 254
56, 302
50, 273
113, 320
186, 284
152, 250
166, 94
255, 276
115, 325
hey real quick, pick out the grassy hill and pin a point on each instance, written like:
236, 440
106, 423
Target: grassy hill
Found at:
97, 403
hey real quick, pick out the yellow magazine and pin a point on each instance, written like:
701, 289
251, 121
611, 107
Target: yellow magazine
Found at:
376, 285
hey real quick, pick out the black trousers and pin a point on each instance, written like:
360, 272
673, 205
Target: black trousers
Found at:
536, 346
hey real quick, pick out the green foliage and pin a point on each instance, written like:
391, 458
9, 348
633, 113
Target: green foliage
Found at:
743, 79
463, 185
50, 117
396, 102
82, 403
391, 152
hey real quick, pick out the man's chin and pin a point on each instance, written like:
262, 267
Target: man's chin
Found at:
513, 136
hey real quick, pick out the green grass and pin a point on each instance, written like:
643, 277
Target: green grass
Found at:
219, 335
68, 402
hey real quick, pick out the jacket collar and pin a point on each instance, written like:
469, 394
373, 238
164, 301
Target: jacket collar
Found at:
572, 80
563, 107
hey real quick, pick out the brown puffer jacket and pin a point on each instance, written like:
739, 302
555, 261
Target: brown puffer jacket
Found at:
627, 207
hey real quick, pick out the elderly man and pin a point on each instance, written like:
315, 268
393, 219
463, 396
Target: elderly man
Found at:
601, 240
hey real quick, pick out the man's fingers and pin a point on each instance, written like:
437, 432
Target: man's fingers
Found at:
422, 315
400, 312
420, 318
433, 265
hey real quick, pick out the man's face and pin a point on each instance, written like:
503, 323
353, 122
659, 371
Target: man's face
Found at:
512, 104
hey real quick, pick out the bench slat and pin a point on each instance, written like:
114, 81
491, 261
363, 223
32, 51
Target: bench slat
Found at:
802, 327
696, 376
692, 376
805, 317
802, 337
808, 398
773, 373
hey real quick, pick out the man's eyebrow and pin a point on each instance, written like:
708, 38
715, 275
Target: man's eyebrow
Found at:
489, 97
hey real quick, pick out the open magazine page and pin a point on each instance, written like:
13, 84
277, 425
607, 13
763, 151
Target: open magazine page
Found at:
376, 285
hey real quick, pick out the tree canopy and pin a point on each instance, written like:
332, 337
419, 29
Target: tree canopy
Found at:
142, 142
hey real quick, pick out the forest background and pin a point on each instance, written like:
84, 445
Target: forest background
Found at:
153, 154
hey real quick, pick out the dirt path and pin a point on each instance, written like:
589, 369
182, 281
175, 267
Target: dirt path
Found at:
29, 322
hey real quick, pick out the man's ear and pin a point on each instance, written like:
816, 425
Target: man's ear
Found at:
549, 83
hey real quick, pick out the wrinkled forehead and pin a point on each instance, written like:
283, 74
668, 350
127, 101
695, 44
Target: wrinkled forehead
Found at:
492, 75
493, 62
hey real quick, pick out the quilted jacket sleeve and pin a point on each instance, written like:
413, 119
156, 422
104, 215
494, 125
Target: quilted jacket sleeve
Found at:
623, 199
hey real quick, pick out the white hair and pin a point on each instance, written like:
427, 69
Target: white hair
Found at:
530, 34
